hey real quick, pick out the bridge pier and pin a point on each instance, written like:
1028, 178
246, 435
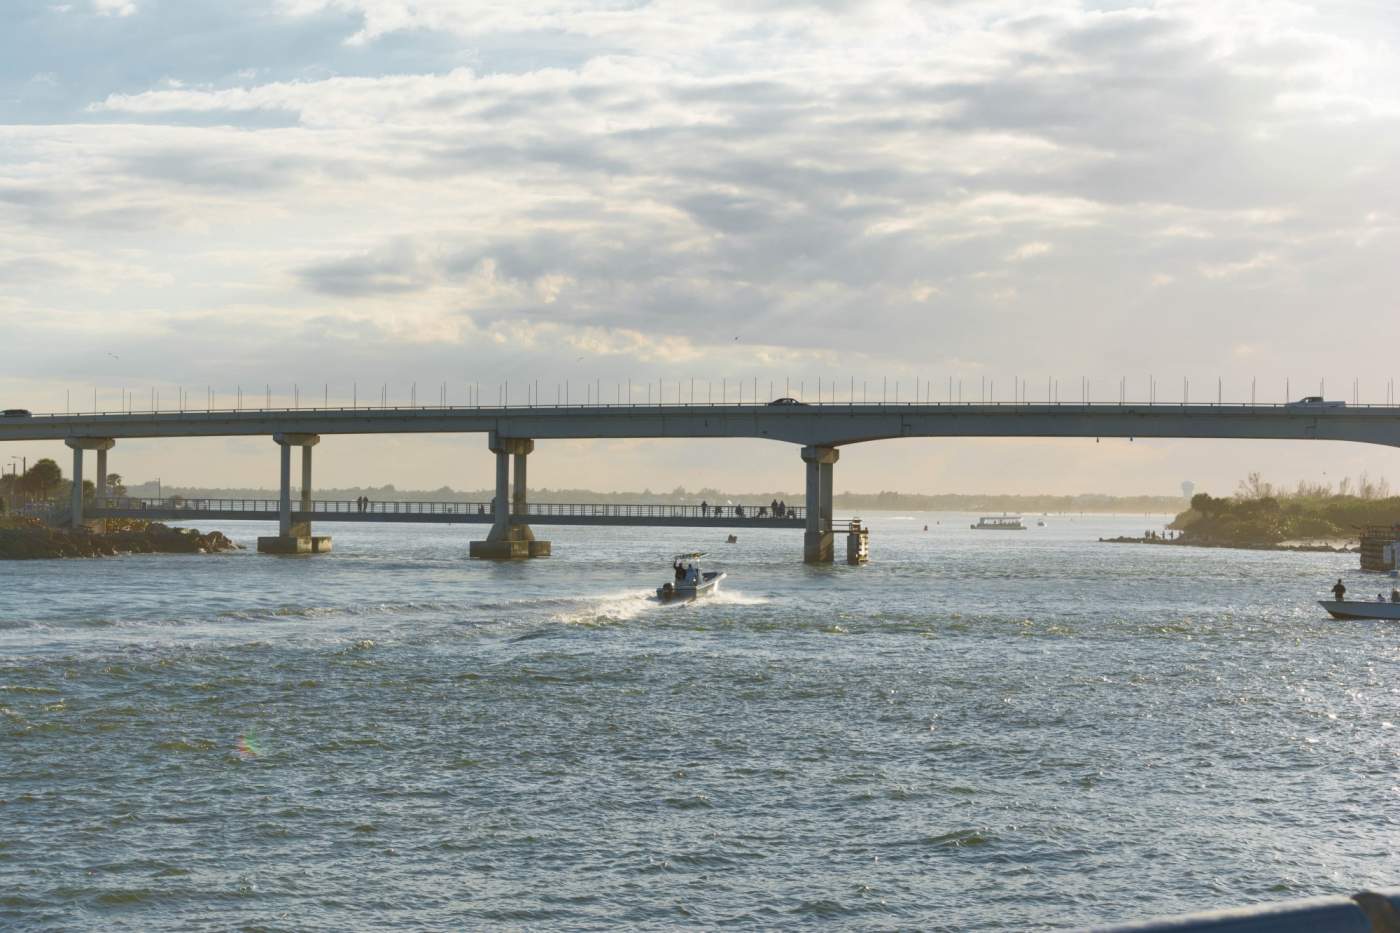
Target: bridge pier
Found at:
294, 537
509, 540
818, 545
78, 445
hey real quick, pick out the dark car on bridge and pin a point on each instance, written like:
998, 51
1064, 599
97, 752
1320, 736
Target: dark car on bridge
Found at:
16, 413
1316, 401
786, 401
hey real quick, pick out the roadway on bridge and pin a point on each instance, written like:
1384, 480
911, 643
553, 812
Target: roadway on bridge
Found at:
830, 424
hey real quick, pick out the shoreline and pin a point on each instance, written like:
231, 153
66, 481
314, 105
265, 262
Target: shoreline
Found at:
1319, 548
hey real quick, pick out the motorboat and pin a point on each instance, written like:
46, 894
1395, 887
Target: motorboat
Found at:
1361, 609
999, 523
691, 582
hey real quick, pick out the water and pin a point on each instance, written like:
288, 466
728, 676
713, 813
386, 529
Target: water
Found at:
979, 730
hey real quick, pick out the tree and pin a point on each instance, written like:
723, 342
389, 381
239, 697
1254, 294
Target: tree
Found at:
42, 478
1254, 487
115, 488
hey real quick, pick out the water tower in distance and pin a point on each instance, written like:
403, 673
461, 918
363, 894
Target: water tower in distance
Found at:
1187, 489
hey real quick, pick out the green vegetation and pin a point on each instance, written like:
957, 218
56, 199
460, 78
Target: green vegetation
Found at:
43, 482
1260, 514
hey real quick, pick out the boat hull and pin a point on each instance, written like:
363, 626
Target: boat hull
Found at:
1359, 609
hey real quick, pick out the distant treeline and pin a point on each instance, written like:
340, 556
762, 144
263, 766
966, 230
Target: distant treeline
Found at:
1085, 502
885, 501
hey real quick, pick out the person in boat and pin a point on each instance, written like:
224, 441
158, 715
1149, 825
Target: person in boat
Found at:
1340, 590
680, 571
692, 574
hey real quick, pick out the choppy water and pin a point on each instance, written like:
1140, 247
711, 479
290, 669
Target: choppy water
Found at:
977, 731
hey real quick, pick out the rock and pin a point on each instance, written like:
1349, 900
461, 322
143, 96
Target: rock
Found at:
35, 541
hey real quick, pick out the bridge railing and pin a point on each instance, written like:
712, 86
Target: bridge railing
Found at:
825, 403
390, 507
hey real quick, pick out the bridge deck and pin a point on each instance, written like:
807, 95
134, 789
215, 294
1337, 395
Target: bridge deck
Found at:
828, 424
450, 513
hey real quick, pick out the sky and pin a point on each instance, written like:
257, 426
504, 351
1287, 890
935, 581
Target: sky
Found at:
357, 199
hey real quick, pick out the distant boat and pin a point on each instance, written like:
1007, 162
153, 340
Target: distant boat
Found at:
999, 523
1360, 609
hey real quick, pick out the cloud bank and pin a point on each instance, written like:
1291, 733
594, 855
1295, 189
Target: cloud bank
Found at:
326, 191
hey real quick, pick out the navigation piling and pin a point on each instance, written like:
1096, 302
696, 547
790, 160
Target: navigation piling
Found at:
510, 537
294, 535
857, 543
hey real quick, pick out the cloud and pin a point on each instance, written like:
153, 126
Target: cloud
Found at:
1030, 250
558, 186
114, 7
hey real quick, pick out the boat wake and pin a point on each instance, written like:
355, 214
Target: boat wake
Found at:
607, 609
613, 608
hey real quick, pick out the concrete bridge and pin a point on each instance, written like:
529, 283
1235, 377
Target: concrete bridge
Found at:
820, 430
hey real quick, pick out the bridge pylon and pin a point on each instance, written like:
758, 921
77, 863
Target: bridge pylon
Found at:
510, 539
818, 545
78, 445
294, 537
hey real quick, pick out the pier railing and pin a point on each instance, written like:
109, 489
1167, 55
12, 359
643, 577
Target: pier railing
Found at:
624, 510
541, 510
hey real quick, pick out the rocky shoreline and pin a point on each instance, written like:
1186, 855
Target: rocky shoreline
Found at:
1182, 542
30, 539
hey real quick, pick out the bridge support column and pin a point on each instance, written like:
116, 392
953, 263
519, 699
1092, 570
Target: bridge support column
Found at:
510, 540
818, 542
100, 499
78, 445
294, 537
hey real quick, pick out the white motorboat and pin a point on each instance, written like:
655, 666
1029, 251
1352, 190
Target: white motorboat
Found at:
1361, 609
691, 582
999, 523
